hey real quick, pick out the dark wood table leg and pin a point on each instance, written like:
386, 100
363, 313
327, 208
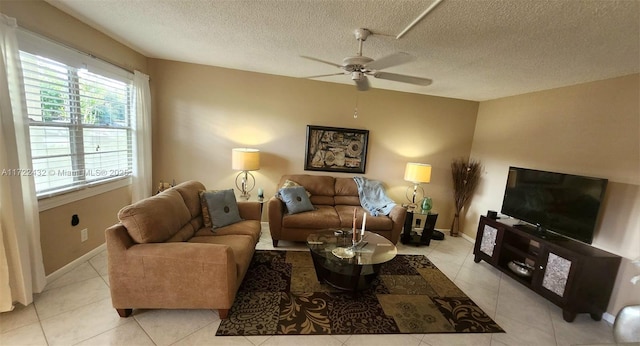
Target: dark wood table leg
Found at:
406, 232
355, 279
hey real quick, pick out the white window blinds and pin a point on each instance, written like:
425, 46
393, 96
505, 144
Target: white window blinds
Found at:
79, 124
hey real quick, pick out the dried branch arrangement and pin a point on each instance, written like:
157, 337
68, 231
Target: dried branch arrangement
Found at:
466, 176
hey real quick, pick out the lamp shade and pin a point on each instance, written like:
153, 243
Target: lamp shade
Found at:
417, 172
245, 159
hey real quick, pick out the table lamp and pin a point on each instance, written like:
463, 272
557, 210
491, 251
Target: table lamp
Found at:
417, 173
245, 160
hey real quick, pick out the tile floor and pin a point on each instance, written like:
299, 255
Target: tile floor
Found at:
75, 309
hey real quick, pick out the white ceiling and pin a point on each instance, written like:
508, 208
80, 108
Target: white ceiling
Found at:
472, 49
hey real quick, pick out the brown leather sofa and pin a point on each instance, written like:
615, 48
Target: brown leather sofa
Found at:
161, 257
334, 200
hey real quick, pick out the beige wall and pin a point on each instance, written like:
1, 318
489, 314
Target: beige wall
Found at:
202, 112
61, 242
589, 129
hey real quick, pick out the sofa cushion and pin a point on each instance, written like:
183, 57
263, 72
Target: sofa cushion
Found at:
346, 187
189, 191
222, 207
324, 200
374, 223
321, 187
296, 199
347, 200
246, 227
346, 192
185, 233
322, 217
155, 219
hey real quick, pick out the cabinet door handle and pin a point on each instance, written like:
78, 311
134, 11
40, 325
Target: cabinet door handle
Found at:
541, 267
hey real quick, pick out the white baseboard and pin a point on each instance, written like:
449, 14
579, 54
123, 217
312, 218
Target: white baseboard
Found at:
78, 261
472, 240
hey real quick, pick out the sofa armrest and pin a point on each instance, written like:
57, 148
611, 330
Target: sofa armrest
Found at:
169, 275
397, 215
250, 210
276, 211
118, 239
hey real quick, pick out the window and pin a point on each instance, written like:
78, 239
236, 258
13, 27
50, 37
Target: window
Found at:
79, 124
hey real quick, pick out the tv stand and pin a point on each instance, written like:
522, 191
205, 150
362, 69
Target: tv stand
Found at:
537, 231
575, 276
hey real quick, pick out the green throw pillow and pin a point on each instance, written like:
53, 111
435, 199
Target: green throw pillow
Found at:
296, 199
222, 208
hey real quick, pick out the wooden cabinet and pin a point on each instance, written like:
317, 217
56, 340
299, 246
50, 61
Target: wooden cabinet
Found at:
575, 276
486, 243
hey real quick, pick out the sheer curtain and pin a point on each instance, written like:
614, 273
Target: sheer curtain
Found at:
21, 266
141, 185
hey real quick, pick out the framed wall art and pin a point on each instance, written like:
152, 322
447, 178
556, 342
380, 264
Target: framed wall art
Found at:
335, 149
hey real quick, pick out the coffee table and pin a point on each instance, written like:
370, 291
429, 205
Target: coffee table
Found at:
351, 274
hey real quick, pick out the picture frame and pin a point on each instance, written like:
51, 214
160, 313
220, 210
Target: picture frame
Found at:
336, 149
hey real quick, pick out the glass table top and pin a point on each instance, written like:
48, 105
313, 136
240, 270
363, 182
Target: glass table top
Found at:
373, 249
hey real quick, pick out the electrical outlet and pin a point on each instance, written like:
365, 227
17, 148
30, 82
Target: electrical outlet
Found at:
84, 235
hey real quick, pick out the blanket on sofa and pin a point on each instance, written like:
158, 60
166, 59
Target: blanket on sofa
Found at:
373, 197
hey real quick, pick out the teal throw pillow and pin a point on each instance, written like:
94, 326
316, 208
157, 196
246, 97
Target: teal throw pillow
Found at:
296, 199
223, 208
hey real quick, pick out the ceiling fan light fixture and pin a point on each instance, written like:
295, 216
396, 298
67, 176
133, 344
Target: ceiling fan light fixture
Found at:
359, 66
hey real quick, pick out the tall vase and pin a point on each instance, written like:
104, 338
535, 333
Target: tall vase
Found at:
455, 225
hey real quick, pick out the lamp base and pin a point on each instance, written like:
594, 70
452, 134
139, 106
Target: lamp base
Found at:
244, 184
414, 193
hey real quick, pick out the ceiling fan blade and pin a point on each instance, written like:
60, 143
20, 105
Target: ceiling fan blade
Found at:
325, 75
389, 60
363, 83
322, 61
402, 78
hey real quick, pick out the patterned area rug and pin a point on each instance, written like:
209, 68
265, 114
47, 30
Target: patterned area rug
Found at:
281, 295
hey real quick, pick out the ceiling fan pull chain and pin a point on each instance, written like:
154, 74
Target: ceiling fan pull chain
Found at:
355, 112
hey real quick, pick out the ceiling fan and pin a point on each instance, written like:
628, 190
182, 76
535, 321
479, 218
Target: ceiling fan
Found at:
359, 66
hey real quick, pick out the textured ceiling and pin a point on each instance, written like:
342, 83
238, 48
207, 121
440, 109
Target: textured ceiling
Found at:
472, 49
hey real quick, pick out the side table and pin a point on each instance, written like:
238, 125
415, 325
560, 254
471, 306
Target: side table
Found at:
411, 237
262, 202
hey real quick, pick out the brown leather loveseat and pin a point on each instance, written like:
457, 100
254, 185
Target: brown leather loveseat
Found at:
334, 200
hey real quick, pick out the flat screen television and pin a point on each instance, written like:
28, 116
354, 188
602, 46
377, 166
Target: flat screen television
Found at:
564, 204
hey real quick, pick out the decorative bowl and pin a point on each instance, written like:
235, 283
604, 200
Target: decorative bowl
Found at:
343, 252
520, 268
